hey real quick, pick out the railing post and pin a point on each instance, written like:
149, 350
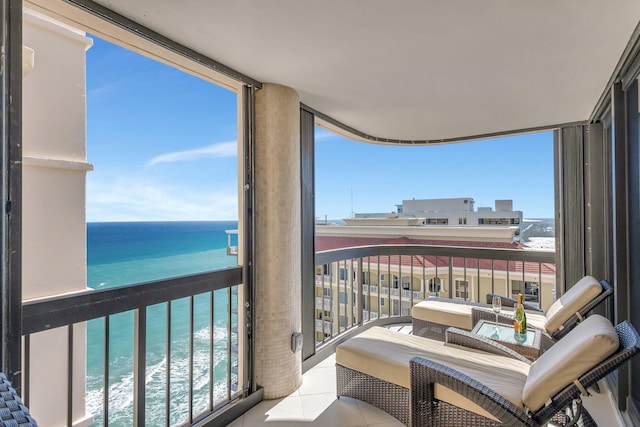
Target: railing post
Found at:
451, 277
360, 294
139, 365
70, 375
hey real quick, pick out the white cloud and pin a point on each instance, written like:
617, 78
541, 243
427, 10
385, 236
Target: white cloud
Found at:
134, 198
221, 149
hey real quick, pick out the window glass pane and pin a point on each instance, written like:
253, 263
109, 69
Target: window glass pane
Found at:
163, 191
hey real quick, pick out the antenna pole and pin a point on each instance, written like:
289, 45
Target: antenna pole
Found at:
352, 213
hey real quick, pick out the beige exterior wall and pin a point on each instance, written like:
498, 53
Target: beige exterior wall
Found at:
378, 290
53, 221
476, 234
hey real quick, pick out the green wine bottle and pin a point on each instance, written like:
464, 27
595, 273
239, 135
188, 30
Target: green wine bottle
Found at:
520, 322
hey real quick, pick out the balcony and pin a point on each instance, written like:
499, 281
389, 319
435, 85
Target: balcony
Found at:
478, 271
323, 304
101, 306
595, 150
320, 323
40, 316
323, 279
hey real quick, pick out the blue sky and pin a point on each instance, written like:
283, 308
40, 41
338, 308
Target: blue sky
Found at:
377, 177
163, 144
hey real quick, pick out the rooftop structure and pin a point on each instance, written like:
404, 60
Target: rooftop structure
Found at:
445, 212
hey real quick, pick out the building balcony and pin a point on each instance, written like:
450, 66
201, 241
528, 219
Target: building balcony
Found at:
323, 303
596, 187
323, 279
40, 316
320, 323
476, 271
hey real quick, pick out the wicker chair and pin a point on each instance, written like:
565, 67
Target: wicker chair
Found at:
565, 408
12, 412
479, 311
373, 365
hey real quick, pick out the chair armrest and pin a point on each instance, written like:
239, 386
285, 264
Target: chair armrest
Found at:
530, 307
506, 301
512, 302
424, 374
471, 340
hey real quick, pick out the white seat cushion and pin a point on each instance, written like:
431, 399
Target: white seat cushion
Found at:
584, 347
443, 312
385, 354
579, 295
459, 315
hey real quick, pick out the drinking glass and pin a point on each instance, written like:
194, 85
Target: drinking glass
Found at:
496, 302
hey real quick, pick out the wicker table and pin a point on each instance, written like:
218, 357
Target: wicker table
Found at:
529, 348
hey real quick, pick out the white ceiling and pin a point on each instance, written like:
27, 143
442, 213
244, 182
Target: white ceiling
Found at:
413, 69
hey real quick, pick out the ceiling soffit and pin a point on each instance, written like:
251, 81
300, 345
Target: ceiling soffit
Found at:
412, 69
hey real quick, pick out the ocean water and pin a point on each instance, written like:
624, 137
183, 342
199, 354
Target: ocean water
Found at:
134, 252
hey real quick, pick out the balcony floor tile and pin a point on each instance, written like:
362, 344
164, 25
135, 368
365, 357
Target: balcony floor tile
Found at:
326, 410
329, 362
285, 411
319, 380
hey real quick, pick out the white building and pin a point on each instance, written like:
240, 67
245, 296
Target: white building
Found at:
449, 212
461, 211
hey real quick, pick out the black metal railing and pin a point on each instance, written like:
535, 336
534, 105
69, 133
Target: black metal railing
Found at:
192, 324
361, 284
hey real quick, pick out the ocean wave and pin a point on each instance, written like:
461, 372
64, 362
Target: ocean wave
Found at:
220, 333
121, 390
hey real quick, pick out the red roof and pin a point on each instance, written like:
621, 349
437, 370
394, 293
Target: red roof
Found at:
325, 243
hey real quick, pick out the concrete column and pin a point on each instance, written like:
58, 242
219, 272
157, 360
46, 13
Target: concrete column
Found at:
278, 239
53, 203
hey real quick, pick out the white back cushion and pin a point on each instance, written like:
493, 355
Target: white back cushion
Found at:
580, 294
584, 347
